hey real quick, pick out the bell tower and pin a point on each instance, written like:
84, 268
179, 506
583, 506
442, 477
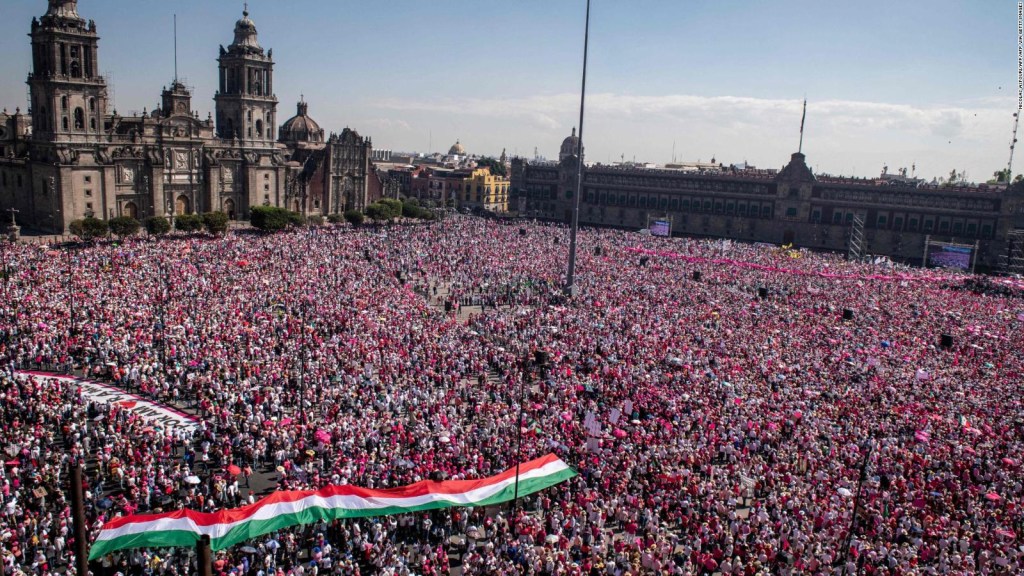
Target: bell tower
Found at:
246, 105
68, 95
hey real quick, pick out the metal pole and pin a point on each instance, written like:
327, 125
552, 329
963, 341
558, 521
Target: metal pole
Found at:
71, 295
570, 277
519, 437
165, 293
204, 559
856, 503
78, 515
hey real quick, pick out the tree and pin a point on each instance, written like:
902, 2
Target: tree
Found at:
377, 212
88, 229
315, 220
272, 218
215, 222
497, 168
188, 222
338, 218
393, 207
158, 225
1000, 176
1018, 178
124, 226
412, 209
354, 217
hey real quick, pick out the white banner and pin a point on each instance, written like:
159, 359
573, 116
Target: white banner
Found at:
158, 414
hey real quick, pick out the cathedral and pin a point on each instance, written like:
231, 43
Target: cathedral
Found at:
69, 156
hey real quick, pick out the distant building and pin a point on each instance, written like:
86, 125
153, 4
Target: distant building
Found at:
485, 191
71, 157
787, 206
445, 184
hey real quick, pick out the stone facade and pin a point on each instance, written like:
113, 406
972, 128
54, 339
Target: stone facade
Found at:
70, 157
788, 206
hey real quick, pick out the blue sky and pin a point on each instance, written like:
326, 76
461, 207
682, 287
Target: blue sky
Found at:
896, 83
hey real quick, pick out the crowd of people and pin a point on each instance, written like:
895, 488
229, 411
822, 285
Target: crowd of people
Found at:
781, 412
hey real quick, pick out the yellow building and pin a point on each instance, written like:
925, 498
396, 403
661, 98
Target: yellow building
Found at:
485, 191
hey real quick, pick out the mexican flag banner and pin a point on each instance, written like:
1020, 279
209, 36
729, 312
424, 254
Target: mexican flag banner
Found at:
291, 508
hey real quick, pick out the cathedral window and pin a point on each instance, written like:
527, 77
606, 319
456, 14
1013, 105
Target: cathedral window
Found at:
92, 123
259, 128
92, 104
64, 123
63, 102
79, 119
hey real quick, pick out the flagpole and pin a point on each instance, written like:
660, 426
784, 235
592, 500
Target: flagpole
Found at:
204, 559
570, 277
78, 516
519, 435
803, 117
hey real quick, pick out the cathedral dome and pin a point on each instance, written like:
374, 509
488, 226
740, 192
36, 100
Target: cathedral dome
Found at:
569, 146
245, 34
301, 128
457, 149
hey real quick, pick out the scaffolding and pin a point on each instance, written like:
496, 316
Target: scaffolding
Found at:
856, 239
1012, 262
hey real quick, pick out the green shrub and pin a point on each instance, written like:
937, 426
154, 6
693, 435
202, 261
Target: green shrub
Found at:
335, 218
376, 212
88, 229
315, 220
215, 222
188, 222
272, 218
412, 209
158, 225
354, 217
124, 226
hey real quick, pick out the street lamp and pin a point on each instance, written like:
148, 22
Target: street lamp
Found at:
539, 360
71, 294
162, 326
856, 501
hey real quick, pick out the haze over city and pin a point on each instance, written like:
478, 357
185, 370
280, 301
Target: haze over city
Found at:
931, 84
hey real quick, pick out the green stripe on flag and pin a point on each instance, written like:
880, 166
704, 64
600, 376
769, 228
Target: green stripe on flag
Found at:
255, 528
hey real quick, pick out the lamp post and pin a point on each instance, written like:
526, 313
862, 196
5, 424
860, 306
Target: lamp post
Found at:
856, 501
53, 198
164, 295
71, 294
570, 277
527, 366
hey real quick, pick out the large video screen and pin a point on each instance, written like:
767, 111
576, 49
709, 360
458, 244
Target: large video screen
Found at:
941, 256
661, 228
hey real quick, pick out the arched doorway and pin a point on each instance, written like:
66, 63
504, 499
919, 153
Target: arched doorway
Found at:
229, 208
130, 210
182, 205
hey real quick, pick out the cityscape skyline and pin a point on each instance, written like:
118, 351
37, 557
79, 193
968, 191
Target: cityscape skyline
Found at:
901, 87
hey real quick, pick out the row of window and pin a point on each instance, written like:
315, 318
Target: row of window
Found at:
42, 120
914, 223
678, 183
685, 204
253, 129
